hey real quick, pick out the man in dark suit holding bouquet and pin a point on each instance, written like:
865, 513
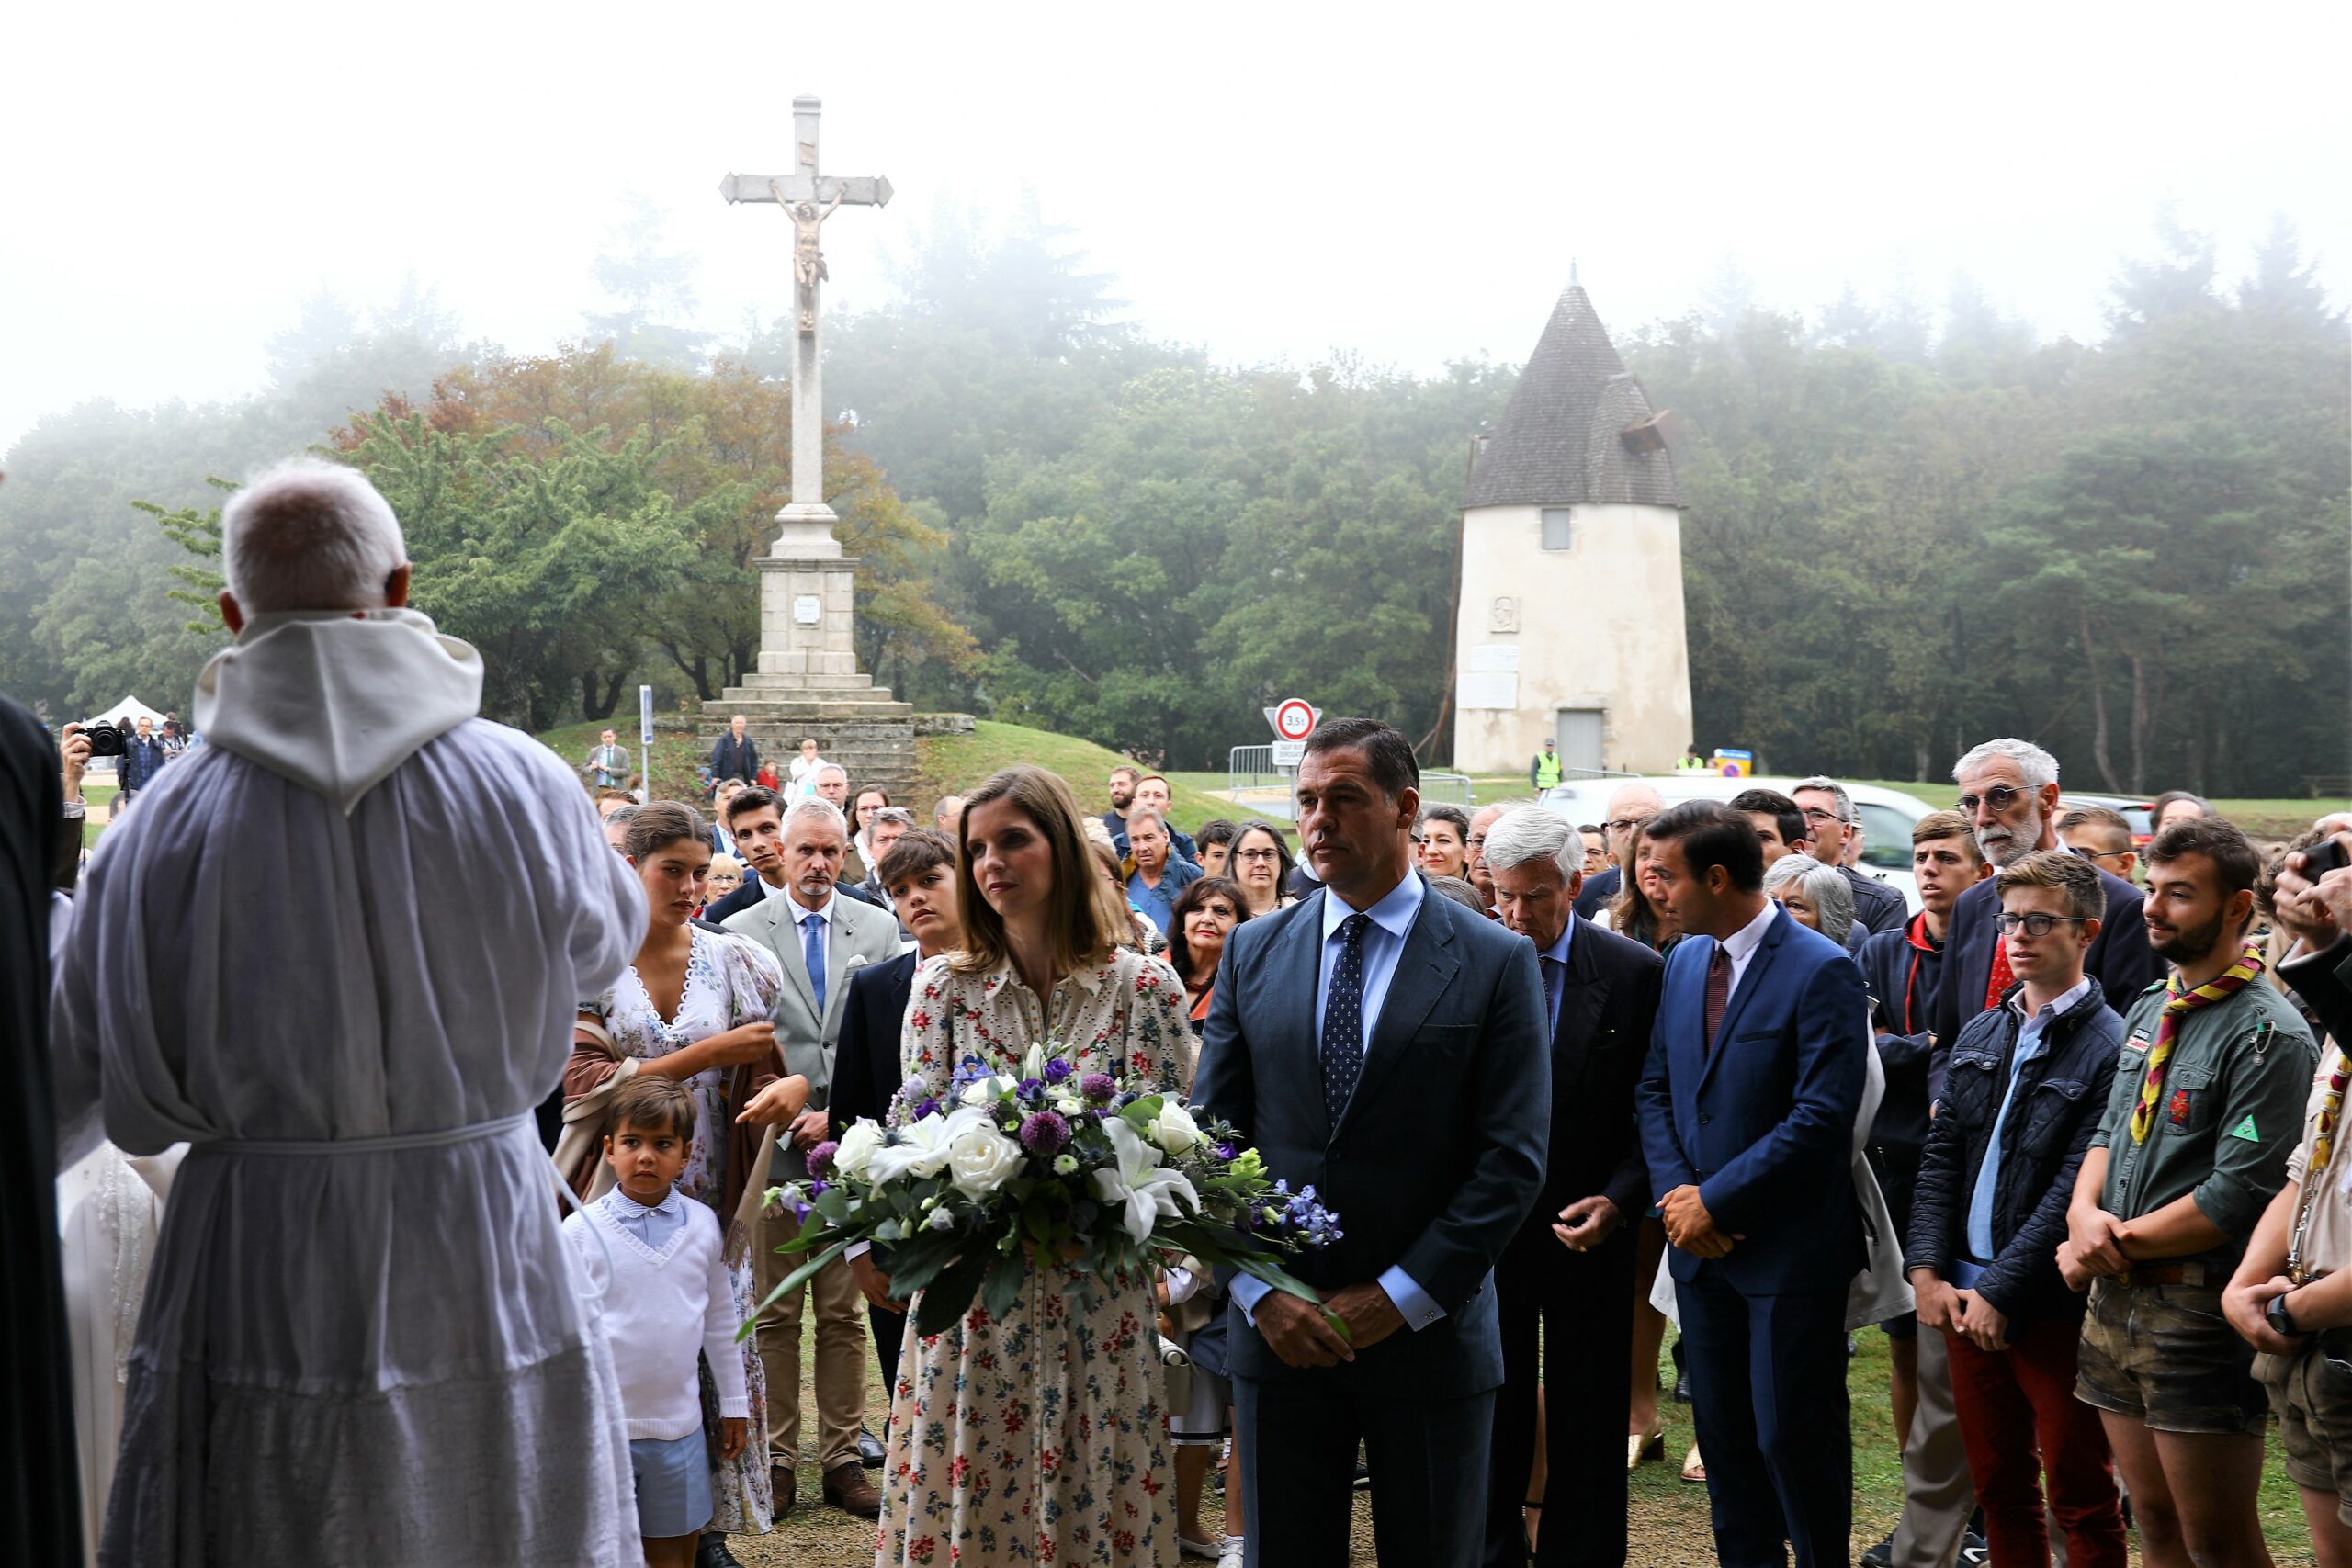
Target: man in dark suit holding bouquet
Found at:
1388, 1048
1754, 1077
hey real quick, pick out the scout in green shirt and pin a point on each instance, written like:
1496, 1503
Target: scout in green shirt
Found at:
2206, 1106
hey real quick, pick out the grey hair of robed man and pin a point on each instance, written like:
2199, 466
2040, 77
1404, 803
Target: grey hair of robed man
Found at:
818, 807
1824, 888
2035, 766
308, 534
1530, 833
833, 768
1830, 786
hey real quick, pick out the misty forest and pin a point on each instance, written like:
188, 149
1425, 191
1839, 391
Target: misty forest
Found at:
1911, 521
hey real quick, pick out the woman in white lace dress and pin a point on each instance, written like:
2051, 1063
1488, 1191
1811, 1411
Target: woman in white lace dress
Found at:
694, 1006
1037, 1438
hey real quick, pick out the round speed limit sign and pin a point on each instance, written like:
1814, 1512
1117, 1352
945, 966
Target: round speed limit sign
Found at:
1294, 719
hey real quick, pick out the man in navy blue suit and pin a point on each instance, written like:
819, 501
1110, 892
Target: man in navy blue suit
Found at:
1388, 1048
1747, 1107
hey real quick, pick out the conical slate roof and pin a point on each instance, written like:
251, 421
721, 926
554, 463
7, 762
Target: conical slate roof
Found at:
1560, 442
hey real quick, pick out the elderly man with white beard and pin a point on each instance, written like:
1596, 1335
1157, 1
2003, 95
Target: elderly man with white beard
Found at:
365, 1339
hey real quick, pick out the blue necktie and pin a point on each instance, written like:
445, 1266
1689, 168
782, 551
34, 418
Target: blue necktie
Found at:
1554, 972
812, 953
1343, 1018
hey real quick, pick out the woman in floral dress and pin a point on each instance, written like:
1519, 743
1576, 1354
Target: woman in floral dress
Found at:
1037, 1438
694, 1006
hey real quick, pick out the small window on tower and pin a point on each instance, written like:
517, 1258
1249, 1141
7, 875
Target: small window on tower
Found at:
1555, 527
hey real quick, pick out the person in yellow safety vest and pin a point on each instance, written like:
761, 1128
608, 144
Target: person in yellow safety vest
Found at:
1691, 761
1543, 773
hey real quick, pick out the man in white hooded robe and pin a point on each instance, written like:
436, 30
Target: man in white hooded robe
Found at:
364, 1338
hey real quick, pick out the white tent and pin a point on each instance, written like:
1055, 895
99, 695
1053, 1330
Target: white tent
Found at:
131, 709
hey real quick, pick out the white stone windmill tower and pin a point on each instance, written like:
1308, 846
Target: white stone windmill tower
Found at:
1570, 619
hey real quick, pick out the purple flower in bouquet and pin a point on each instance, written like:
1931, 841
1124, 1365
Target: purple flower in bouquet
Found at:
1030, 1086
819, 1189
913, 1090
820, 1158
1058, 1069
928, 1108
1099, 1088
1044, 1135
1227, 1153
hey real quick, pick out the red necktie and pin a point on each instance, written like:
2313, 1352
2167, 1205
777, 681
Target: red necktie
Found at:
1999, 979
1718, 991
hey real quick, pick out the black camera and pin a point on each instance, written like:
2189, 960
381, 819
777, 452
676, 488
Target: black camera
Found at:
107, 738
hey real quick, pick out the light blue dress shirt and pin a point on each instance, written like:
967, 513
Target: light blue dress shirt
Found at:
655, 1226
1384, 944
1980, 1202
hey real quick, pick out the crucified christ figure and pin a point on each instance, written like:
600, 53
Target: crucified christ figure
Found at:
807, 261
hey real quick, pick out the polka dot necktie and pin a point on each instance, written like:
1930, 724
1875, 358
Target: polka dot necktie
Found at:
1343, 1018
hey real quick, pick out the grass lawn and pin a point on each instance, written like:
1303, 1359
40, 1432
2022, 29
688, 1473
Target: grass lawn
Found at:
1667, 1516
952, 762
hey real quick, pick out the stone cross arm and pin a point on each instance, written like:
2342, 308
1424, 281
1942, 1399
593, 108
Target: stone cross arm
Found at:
860, 190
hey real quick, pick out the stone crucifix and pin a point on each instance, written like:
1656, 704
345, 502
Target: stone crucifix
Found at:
808, 198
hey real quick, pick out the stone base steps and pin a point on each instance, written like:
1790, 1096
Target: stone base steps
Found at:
865, 731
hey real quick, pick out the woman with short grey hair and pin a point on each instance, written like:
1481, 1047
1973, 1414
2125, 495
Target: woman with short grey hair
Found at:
1815, 895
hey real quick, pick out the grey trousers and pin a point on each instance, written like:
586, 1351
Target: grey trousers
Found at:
1938, 1493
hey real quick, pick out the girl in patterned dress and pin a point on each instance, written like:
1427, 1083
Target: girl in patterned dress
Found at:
1039, 1436
694, 1006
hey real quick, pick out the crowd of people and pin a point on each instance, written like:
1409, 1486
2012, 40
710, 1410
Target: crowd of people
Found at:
2065, 1136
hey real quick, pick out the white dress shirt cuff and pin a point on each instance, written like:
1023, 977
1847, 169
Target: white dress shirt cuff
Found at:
1183, 1286
856, 1250
1411, 1299
1247, 1291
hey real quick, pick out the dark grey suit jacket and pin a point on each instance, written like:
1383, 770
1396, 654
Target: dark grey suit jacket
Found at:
1439, 1154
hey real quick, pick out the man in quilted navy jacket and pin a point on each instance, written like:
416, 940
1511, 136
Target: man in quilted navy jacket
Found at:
2024, 1089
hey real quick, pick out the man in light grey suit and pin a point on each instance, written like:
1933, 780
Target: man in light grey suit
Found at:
820, 939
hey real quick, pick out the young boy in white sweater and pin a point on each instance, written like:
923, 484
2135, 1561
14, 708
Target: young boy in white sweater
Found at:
667, 1303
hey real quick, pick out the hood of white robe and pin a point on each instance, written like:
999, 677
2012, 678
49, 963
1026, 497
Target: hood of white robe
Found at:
336, 699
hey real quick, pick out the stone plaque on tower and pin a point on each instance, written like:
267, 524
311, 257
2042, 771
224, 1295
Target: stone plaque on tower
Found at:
806, 682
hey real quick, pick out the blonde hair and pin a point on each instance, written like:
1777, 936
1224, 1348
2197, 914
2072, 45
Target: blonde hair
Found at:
1081, 923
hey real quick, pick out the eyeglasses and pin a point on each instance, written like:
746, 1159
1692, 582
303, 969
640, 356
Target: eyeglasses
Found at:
1258, 854
2101, 854
1623, 824
2034, 924
1998, 797
1818, 816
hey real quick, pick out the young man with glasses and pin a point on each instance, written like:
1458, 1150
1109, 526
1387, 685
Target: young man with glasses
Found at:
2206, 1106
2101, 836
2022, 1098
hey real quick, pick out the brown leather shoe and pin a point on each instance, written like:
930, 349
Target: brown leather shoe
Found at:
785, 1487
847, 1489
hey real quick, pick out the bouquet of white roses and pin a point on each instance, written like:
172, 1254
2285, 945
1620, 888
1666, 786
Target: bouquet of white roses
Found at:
1109, 1176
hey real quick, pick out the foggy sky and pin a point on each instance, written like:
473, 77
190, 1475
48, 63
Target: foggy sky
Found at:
1270, 181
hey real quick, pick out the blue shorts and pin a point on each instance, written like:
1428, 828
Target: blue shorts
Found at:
672, 1484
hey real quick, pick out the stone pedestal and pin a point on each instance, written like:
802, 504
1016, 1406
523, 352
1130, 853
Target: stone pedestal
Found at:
807, 682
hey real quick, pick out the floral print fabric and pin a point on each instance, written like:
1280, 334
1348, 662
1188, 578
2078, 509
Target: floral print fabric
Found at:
1038, 1438
729, 982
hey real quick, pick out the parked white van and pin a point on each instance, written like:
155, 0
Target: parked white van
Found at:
1886, 813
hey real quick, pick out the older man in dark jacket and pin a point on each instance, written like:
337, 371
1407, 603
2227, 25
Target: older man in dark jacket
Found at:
2024, 1091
